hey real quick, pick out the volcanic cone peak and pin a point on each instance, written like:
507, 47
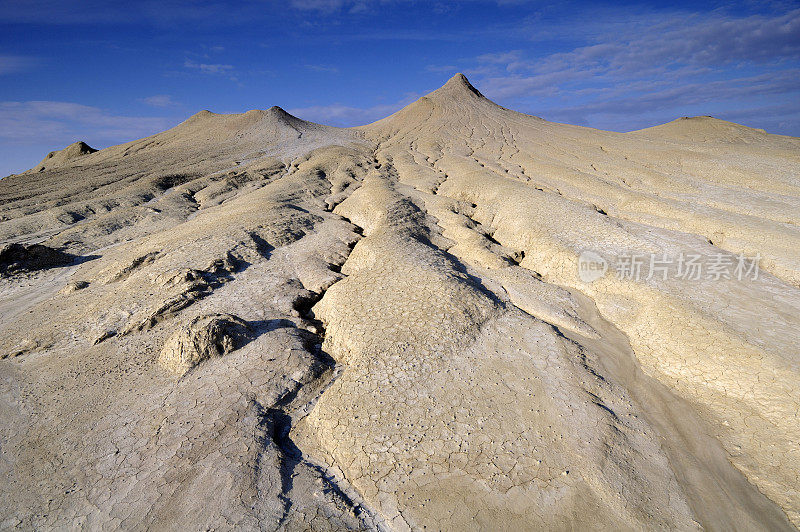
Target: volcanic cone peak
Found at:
458, 86
61, 157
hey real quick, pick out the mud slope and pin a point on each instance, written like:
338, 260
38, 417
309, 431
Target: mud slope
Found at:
273, 324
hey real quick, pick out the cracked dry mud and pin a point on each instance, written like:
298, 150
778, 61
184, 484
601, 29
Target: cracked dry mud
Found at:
268, 324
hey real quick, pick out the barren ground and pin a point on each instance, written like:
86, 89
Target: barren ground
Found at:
273, 324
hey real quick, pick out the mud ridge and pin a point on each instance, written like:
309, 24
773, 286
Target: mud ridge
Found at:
277, 421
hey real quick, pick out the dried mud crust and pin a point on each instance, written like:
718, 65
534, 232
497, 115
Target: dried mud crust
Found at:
281, 325
201, 426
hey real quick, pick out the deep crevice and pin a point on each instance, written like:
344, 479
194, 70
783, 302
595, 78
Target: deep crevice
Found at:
277, 421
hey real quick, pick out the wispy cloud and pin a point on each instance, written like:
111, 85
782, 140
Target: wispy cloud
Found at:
12, 64
502, 58
60, 123
652, 67
622, 105
350, 6
441, 68
159, 100
208, 68
322, 68
31, 129
345, 116
648, 47
679, 39
153, 12
318, 5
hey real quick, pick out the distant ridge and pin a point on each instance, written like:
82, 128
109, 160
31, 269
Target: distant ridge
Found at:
704, 128
456, 98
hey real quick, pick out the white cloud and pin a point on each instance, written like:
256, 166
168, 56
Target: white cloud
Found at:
317, 5
652, 45
57, 123
441, 68
500, 58
207, 68
323, 68
654, 67
343, 115
349, 6
11, 64
160, 100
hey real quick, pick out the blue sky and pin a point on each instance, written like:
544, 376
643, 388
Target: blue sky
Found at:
107, 74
